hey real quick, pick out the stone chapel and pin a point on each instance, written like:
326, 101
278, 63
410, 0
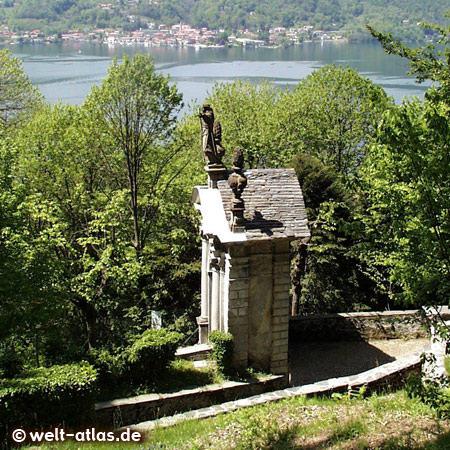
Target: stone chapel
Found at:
248, 219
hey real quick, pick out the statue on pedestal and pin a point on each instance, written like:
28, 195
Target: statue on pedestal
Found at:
211, 137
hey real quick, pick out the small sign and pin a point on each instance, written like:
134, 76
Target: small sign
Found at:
156, 320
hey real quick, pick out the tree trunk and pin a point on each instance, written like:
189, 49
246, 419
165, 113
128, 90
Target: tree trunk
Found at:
89, 314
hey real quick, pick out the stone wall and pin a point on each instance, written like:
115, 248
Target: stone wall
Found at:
129, 411
354, 326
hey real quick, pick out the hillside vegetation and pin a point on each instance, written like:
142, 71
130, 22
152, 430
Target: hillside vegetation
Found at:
53, 16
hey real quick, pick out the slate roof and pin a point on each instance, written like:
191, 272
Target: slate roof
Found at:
274, 206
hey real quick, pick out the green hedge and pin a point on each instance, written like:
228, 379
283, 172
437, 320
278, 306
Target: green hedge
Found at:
49, 396
223, 345
151, 353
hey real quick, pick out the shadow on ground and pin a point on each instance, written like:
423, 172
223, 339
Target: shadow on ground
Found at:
316, 361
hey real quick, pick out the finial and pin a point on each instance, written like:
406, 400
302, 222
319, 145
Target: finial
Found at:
237, 182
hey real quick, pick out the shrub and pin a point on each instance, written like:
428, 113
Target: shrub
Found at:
49, 396
223, 345
110, 367
151, 353
434, 393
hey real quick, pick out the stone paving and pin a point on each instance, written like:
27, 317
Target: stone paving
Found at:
316, 361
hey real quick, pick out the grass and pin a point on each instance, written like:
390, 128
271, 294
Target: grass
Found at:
181, 375
391, 421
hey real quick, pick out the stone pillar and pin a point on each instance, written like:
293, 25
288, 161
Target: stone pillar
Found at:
223, 303
215, 296
203, 320
236, 296
260, 305
280, 308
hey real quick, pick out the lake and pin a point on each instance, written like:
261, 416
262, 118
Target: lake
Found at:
67, 71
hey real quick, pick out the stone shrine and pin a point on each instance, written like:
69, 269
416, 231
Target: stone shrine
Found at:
249, 218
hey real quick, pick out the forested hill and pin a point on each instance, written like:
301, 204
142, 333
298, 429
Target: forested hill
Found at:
398, 16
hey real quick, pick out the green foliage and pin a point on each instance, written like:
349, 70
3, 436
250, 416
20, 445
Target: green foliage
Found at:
406, 185
223, 345
407, 177
248, 115
49, 396
18, 97
327, 277
432, 392
11, 362
95, 226
151, 353
110, 367
332, 114
142, 362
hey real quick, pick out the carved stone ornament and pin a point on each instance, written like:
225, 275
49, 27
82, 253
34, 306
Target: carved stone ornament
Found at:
211, 137
237, 182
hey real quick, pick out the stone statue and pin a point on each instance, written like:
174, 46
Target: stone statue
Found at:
211, 137
237, 182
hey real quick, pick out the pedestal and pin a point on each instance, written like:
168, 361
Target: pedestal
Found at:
215, 172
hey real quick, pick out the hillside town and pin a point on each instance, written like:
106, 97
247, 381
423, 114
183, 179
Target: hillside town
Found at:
178, 35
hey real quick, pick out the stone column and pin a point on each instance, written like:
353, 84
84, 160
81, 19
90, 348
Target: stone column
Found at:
223, 305
203, 321
215, 295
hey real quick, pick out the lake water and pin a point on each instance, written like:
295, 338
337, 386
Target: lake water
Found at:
66, 72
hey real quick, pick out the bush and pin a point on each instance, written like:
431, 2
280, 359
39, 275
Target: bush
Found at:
49, 396
110, 367
223, 345
434, 393
151, 353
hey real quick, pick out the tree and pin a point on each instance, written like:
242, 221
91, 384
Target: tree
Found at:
328, 276
30, 283
18, 96
248, 116
327, 121
331, 114
106, 201
137, 108
406, 184
407, 179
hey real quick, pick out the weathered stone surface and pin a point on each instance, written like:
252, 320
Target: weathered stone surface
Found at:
260, 322
351, 326
133, 410
260, 264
